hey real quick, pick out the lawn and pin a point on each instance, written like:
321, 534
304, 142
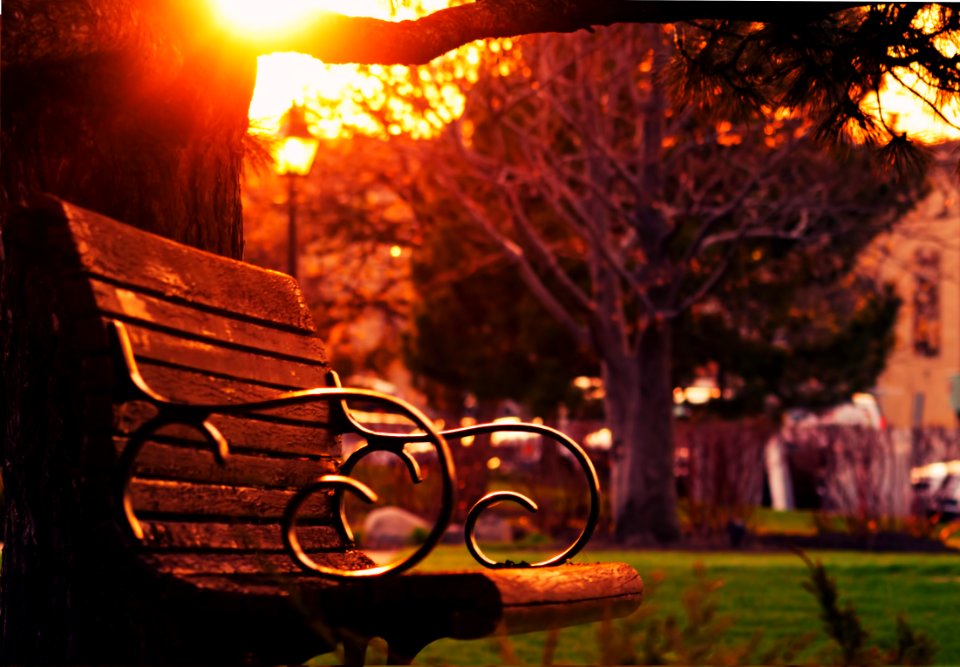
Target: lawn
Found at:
760, 592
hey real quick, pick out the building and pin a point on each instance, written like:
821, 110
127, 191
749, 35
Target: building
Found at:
921, 258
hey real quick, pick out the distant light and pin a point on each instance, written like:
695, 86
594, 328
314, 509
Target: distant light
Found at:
295, 156
591, 387
467, 421
251, 16
697, 395
602, 439
396, 251
493, 462
583, 382
503, 437
297, 146
701, 391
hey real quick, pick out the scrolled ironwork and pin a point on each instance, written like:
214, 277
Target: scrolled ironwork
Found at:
196, 416
391, 441
470, 525
593, 488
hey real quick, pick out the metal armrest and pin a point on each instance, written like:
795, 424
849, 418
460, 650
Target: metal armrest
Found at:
196, 415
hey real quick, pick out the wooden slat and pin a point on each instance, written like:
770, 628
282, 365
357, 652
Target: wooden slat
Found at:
147, 310
197, 388
249, 435
179, 499
566, 583
130, 256
169, 535
190, 565
180, 463
212, 357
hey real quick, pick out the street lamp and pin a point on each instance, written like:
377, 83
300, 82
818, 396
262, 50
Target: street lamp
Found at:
295, 154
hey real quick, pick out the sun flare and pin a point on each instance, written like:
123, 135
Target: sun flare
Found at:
420, 101
257, 16
348, 99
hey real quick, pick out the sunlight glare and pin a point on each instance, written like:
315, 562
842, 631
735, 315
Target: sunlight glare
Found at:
258, 16
349, 99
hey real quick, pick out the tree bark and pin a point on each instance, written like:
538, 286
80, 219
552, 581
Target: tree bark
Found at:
342, 39
643, 492
147, 133
148, 129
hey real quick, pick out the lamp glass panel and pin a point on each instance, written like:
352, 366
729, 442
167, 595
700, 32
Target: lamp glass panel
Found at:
295, 155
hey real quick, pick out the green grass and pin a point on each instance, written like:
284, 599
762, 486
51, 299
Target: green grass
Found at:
761, 592
766, 521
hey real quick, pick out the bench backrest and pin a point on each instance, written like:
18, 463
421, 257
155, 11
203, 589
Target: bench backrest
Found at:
205, 329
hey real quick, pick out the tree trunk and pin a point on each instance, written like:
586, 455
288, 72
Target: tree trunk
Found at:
151, 135
152, 139
640, 412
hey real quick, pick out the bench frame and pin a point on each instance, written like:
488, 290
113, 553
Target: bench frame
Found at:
351, 604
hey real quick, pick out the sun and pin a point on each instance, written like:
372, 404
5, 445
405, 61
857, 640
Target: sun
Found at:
259, 16
349, 99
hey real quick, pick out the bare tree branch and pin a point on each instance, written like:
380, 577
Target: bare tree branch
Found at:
516, 255
333, 38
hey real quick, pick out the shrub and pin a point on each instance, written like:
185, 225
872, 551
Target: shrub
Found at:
843, 627
700, 636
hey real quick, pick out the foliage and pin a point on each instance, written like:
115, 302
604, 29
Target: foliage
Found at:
762, 590
701, 636
834, 69
845, 629
623, 212
350, 225
720, 478
785, 341
477, 329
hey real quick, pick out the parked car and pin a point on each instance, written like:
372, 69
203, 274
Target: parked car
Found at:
936, 489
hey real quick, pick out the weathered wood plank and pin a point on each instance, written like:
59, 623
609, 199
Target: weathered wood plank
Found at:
139, 308
170, 535
110, 249
152, 498
196, 464
261, 565
566, 583
245, 434
197, 388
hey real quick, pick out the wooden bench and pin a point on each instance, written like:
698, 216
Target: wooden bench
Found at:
197, 571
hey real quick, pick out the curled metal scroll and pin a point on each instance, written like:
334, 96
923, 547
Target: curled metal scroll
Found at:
593, 487
341, 482
393, 441
196, 416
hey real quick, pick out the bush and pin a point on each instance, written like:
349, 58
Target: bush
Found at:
700, 637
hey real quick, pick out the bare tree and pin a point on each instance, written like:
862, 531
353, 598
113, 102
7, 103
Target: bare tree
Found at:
621, 212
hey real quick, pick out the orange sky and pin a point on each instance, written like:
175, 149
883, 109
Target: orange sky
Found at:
285, 78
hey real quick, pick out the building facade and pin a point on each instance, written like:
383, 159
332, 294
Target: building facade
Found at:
921, 258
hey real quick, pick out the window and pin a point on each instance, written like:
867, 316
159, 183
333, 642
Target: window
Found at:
926, 302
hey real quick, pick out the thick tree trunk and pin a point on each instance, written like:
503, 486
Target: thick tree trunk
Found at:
151, 139
150, 133
639, 409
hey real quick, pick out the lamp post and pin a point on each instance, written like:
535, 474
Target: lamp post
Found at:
298, 148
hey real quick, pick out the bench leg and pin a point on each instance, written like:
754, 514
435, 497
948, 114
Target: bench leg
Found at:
354, 650
402, 650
